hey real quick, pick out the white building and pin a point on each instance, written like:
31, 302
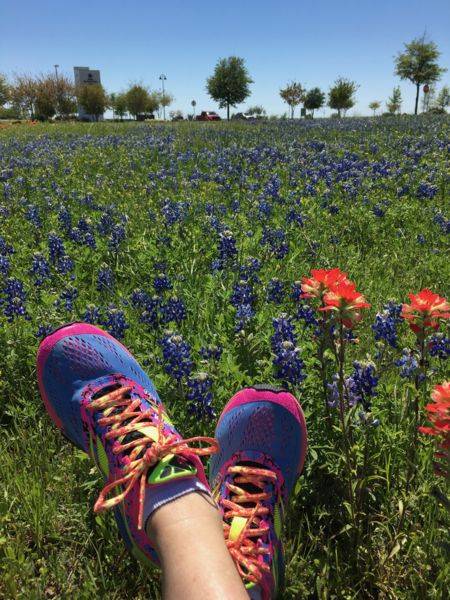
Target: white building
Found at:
86, 76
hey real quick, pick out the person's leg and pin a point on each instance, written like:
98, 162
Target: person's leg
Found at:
188, 536
262, 438
104, 403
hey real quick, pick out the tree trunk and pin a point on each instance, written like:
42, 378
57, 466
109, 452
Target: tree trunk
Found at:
339, 113
228, 111
417, 97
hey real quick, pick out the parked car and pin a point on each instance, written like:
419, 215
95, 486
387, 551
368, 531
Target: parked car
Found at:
242, 117
207, 115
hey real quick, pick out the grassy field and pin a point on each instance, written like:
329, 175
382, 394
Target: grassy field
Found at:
149, 228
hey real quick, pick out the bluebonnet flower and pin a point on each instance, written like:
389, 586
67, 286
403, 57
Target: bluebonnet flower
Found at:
211, 352
106, 223
408, 364
386, 322
5, 265
5, 248
176, 356
173, 310
275, 291
283, 331
427, 190
244, 314
227, 247
105, 279
359, 387
139, 298
65, 265
440, 220
296, 291
13, 302
67, 298
92, 315
264, 209
162, 283
288, 364
65, 219
150, 315
439, 346
200, 396
115, 322
295, 216
378, 211
32, 215
55, 247
6, 174
40, 269
333, 209
307, 314
43, 331
421, 239
276, 241
174, 212
248, 271
117, 237
242, 294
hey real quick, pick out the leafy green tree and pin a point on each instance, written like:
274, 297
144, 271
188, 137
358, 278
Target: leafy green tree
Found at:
394, 103
375, 105
418, 64
118, 103
137, 100
23, 94
64, 95
153, 102
93, 98
257, 111
165, 100
314, 100
45, 104
443, 98
293, 94
229, 85
4, 90
341, 95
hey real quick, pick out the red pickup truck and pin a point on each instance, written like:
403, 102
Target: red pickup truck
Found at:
207, 115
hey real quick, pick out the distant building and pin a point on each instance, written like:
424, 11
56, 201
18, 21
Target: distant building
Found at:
86, 76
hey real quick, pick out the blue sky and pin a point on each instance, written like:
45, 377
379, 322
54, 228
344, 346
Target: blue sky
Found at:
309, 41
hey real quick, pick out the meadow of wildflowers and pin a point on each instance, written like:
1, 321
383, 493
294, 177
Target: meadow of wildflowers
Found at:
314, 255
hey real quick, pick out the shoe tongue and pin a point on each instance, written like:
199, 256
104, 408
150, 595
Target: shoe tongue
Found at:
169, 468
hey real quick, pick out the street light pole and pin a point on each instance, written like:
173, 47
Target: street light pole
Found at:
163, 79
56, 71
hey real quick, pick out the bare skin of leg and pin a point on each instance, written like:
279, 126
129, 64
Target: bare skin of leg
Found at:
195, 562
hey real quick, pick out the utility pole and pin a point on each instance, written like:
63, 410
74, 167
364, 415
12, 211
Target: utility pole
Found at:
163, 79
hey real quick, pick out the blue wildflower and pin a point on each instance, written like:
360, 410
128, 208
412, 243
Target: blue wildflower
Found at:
386, 322
176, 356
211, 352
115, 322
40, 269
288, 364
275, 291
408, 364
439, 346
200, 396
105, 279
173, 310
161, 283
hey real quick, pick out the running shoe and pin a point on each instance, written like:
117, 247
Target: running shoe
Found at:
103, 402
263, 440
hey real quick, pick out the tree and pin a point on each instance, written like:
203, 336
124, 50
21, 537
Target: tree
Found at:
293, 94
45, 103
314, 100
4, 90
153, 103
93, 98
137, 100
118, 103
229, 85
23, 94
257, 111
165, 100
64, 95
443, 98
340, 96
394, 103
418, 64
375, 105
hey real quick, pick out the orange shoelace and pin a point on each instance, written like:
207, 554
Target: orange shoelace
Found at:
144, 451
244, 550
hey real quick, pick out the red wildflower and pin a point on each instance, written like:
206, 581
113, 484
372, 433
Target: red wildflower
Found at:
344, 299
439, 415
320, 281
425, 310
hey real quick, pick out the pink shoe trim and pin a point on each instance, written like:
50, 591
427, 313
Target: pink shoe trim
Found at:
284, 399
47, 345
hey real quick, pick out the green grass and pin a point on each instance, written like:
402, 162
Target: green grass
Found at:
51, 543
